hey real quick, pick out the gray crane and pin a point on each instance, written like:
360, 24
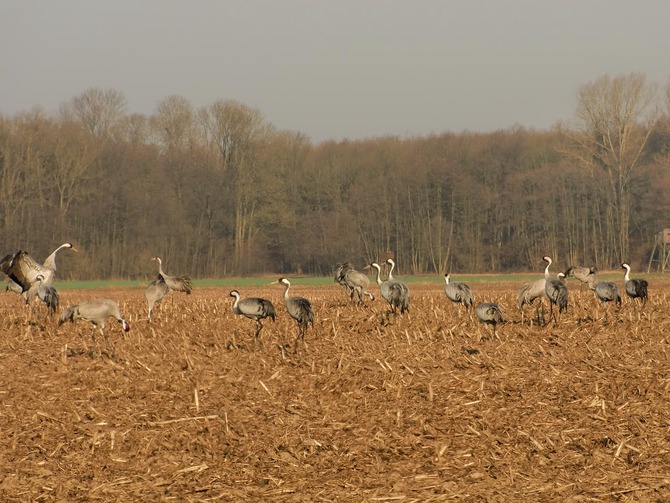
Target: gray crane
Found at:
299, 308
635, 288
528, 293
176, 283
96, 311
155, 293
354, 281
580, 273
255, 309
557, 292
392, 291
606, 291
23, 270
490, 313
459, 293
46, 293
405, 289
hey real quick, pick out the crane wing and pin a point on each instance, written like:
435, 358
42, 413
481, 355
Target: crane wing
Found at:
23, 269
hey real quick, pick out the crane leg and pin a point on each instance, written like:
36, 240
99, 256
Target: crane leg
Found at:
259, 327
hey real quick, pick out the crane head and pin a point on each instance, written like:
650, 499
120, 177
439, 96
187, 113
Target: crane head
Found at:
125, 325
235, 294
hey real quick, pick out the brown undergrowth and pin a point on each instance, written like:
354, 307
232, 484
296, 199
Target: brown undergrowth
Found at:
426, 407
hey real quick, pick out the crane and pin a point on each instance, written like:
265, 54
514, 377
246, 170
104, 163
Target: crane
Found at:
96, 311
490, 313
527, 295
155, 293
23, 270
635, 288
299, 308
392, 291
46, 293
581, 273
255, 309
459, 293
405, 289
606, 291
176, 283
556, 290
354, 281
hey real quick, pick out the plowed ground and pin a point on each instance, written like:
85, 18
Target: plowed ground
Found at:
418, 409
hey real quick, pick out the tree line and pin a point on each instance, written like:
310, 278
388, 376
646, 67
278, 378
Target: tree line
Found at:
219, 191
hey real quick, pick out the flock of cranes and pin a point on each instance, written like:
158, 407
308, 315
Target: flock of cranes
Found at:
31, 279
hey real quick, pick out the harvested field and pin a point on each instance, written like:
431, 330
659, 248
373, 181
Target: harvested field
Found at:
419, 409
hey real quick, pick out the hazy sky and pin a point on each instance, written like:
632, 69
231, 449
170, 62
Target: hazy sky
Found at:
334, 69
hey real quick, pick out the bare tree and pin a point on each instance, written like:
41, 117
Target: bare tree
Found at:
616, 115
99, 110
239, 133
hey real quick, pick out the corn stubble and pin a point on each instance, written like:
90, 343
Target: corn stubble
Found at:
425, 407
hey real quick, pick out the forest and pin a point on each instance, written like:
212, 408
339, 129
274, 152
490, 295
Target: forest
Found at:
219, 191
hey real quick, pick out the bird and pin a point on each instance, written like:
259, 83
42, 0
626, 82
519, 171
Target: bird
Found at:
354, 281
405, 289
606, 291
635, 288
255, 309
176, 283
46, 293
392, 291
155, 292
581, 273
528, 293
23, 270
490, 313
300, 309
96, 311
459, 293
556, 290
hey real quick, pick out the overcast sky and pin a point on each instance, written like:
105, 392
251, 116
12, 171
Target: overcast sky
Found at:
334, 69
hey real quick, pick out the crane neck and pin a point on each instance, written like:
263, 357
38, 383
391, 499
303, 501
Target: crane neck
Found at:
379, 270
626, 276
546, 270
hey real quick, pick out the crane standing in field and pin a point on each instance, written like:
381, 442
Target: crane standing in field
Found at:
354, 281
490, 313
46, 293
557, 292
155, 293
528, 293
176, 283
459, 293
300, 309
404, 300
580, 273
96, 311
23, 270
635, 288
392, 291
606, 291
255, 309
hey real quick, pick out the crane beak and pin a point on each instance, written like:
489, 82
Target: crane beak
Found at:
74, 249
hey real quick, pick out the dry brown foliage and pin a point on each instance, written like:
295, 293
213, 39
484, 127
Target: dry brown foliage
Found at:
419, 409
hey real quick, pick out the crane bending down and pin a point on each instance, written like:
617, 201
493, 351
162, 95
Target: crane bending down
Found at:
459, 293
393, 292
96, 311
299, 308
490, 313
176, 283
23, 270
155, 293
255, 309
635, 288
354, 281
557, 292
